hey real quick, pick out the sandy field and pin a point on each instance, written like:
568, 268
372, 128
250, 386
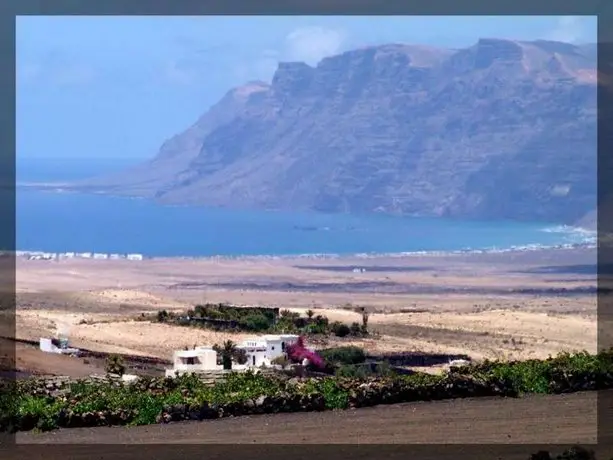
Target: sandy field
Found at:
506, 305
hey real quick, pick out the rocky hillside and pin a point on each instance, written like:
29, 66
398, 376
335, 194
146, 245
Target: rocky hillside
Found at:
500, 130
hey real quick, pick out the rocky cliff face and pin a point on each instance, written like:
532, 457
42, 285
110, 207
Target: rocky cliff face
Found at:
500, 130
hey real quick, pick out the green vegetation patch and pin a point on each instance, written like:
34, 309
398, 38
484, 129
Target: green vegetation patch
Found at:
29, 404
261, 320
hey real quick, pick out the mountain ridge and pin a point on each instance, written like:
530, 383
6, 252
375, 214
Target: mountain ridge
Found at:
502, 129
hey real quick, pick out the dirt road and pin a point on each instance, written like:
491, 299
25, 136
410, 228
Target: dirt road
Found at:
561, 419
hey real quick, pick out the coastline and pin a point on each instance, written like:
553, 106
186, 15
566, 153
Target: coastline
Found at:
534, 252
577, 238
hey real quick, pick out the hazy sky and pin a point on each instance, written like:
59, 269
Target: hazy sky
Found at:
119, 86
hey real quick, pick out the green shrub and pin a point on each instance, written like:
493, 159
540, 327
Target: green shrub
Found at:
256, 322
334, 395
162, 316
300, 323
355, 329
228, 317
360, 371
339, 329
343, 355
284, 326
321, 320
353, 371
291, 315
115, 365
574, 453
384, 369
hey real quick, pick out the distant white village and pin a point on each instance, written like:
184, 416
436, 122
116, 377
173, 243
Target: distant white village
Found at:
37, 255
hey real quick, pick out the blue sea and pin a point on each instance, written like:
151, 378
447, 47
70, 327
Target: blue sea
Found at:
66, 222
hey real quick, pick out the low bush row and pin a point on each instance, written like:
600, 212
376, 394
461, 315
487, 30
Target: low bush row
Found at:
232, 318
156, 400
574, 453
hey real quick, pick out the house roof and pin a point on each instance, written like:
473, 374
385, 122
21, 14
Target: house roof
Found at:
244, 347
192, 353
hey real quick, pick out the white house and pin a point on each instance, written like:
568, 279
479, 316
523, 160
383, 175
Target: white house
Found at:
100, 256
59, 346
196, 360
134, 256
47, 256
261, 351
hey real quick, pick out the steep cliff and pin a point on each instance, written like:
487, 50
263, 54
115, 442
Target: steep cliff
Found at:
500, 130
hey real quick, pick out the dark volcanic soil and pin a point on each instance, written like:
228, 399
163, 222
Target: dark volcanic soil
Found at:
563, 419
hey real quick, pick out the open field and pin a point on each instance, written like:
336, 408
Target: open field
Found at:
535, 419
506, 305
31, 361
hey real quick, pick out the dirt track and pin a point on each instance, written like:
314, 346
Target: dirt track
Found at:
563, 419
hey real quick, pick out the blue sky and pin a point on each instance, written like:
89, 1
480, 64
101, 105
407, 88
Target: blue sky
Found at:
117, 87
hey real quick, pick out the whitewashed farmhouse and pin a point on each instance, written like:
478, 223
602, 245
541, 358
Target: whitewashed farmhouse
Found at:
59, 346
261, 351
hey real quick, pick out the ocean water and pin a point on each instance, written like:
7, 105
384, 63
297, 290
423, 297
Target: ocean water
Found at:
62, 222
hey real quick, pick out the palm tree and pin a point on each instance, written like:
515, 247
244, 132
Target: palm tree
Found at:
228, 352
310, 314
365, 316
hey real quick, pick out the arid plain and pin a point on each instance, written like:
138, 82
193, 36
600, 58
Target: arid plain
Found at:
513, 305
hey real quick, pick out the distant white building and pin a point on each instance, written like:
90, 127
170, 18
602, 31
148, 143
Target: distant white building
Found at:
85, 255
134, 256
59, 346
261, 351
43, 256
196, 360
100, 256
